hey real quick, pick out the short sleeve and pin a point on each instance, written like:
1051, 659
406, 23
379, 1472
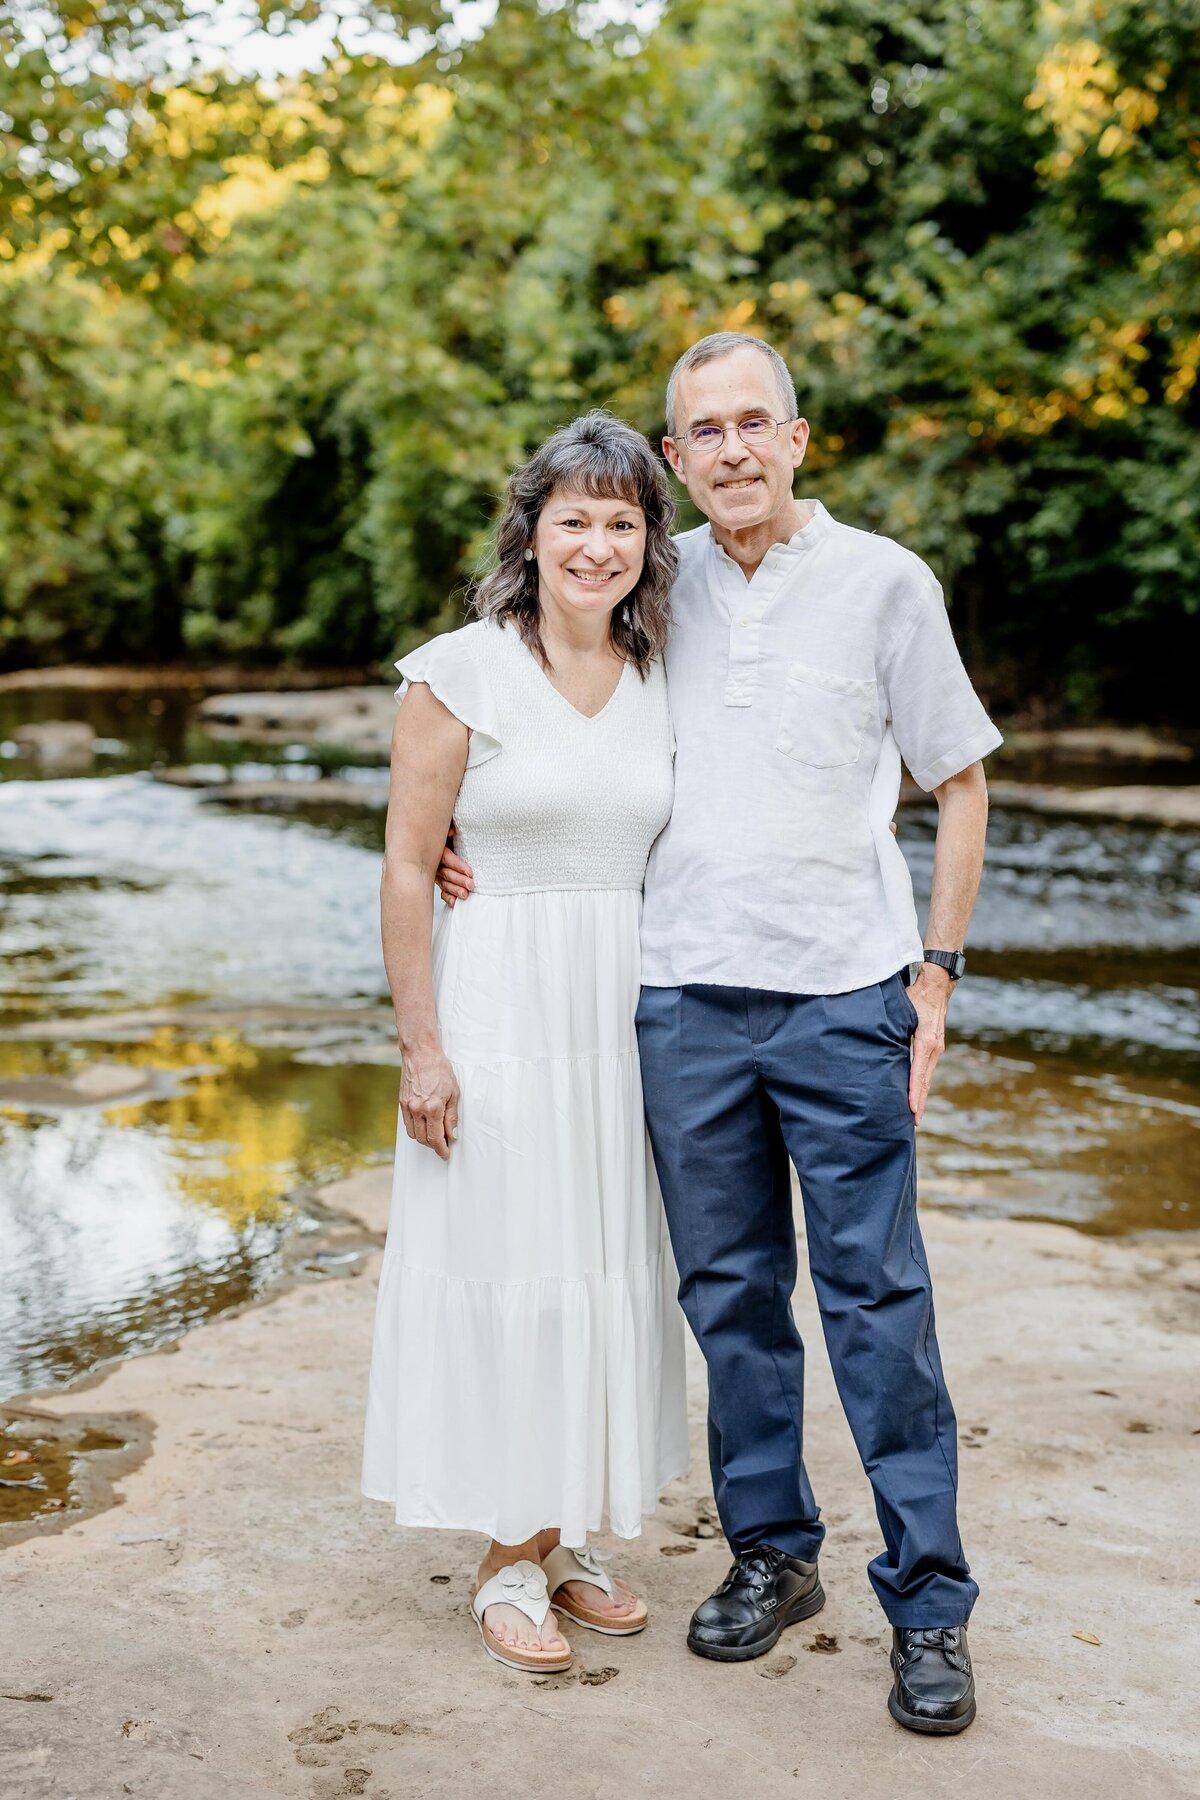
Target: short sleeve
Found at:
938, 719
449, 669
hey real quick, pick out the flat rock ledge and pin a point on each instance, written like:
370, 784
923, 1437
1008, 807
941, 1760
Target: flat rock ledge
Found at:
99, 1084
126, 678
1099, 743
1137, 804
282, 794
285, 796
241, 1622
346, 718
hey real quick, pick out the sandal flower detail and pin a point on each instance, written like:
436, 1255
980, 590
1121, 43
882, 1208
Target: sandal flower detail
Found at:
523, 1585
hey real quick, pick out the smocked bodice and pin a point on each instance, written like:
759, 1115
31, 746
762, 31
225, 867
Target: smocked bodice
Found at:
549, 799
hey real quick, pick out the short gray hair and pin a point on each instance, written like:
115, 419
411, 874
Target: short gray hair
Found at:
724, 343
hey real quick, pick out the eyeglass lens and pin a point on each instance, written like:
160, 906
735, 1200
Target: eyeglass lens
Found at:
751, 431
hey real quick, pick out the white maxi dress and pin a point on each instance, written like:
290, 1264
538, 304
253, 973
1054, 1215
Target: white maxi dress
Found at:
527, 1369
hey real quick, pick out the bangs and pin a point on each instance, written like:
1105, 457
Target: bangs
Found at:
602, 472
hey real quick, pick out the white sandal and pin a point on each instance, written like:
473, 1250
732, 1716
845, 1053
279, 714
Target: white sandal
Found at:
523, 1585
564, 1565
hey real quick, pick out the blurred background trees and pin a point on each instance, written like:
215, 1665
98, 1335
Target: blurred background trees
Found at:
268, 349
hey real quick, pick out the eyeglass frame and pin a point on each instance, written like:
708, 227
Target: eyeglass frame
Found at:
682, 437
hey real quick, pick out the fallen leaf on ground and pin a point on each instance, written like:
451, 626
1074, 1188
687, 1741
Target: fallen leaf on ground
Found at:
597, 1677
1138, 1425
824, 1644
677, 1549
1086, 1637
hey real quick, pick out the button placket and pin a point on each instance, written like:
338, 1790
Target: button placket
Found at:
747, 603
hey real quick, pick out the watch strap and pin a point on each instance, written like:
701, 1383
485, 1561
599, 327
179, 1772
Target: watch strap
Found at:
953, 961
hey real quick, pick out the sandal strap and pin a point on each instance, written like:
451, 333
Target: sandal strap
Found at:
564, 1564
520, 1584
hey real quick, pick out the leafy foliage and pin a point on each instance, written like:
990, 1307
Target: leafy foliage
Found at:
267, 350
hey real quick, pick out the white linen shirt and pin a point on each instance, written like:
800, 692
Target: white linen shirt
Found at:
794, 697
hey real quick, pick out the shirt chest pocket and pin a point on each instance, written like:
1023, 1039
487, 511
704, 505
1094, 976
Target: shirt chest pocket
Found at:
824, 716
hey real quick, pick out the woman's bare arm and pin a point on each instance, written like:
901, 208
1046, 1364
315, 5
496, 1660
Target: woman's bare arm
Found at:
429, 755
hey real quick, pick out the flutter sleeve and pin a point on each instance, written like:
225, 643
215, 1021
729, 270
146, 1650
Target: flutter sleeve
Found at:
447, 666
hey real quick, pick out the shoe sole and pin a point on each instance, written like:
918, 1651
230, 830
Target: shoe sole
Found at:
793, 1615
605, 1630
930, 1727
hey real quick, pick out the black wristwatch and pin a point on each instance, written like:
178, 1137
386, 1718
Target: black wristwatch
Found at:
953, 961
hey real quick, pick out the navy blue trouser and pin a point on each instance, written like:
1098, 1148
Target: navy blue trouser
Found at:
736, 1081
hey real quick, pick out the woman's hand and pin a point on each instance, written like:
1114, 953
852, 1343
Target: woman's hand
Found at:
429, 1099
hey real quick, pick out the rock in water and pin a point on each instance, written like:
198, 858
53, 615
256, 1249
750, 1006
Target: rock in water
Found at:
61, 744
349, 718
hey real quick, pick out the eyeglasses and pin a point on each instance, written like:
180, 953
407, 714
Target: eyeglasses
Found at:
753, 431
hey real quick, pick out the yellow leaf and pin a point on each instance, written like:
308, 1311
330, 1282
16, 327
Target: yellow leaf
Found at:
1085, 1637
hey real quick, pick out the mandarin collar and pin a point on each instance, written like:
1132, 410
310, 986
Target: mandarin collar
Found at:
801, 543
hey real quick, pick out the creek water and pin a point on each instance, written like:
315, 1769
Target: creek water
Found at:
194, 1031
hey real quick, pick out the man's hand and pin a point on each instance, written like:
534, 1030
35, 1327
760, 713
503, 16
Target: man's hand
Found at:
957, 863
930, 994
455, 878
429, 1099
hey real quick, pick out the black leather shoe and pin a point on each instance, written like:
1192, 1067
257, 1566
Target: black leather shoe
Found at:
934, 1689
765, 1590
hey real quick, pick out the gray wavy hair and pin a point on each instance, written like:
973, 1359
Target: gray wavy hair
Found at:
603, 457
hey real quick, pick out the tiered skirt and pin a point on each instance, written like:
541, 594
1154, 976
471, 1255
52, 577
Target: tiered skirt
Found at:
527, 1368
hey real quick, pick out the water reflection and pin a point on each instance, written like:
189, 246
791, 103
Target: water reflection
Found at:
121, 1225
141, 729
233, 959
1051, 1139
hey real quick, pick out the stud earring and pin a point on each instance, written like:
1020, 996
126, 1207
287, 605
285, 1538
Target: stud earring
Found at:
529, 555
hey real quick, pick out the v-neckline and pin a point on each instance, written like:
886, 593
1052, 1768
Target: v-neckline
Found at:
584, 718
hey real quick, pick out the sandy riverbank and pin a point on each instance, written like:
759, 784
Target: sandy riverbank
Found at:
242, 1624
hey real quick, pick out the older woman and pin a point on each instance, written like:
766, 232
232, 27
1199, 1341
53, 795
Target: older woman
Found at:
527, 1374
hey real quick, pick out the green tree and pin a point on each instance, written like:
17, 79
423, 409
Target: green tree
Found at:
267, 351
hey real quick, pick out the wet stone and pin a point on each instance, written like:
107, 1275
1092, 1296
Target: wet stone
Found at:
66, 745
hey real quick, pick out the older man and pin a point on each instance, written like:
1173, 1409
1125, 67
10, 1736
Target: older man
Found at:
780, 1019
